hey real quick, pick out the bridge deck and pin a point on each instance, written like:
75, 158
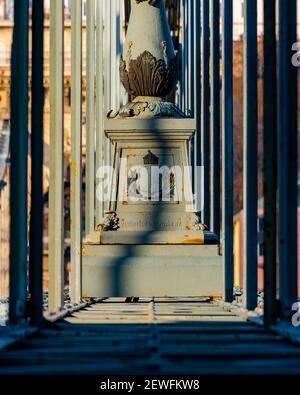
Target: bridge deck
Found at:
152, 336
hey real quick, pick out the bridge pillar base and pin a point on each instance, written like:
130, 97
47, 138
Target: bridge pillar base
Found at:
152, 271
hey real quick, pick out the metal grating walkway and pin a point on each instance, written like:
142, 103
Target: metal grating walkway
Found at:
157, 336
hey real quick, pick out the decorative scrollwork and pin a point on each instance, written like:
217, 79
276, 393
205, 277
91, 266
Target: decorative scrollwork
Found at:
156, 109
148, 76
110, 222
199, 226
151, 2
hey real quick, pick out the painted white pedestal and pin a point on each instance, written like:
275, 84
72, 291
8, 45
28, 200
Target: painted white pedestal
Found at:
159, 249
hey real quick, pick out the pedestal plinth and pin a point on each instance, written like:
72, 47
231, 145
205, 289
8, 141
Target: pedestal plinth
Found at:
153, 246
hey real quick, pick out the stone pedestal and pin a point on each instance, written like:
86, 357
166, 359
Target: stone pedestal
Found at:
150, 242
151, 248
152, 270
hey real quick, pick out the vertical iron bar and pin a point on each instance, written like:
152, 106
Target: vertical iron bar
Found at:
99, 100
205, 109
76, 151
37, 130
185, 57
270, 159
197, 85
19, 152
215, 117
113, 60
108, 57
90, 119
190, 54
288, 161
56, 184
250, 153
227, 147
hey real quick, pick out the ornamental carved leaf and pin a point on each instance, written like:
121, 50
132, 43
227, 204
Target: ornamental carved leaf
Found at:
124, 75
148, 76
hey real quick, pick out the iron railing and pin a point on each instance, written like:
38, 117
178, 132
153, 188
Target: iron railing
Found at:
199, 94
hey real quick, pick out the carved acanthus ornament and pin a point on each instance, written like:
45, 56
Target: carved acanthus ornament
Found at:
200, 226
110, 222
148, 76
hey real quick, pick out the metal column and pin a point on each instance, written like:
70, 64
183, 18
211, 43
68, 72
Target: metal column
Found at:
215, 117
270, 158
205, 109
76, 151
37, 130
288, 162
227, 147
191, 99
90, 119
99, 100
19, 152
185, 75
197, 86
56, 184
250, 153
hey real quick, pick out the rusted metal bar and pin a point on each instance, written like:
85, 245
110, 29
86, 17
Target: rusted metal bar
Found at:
76, 152
90, 119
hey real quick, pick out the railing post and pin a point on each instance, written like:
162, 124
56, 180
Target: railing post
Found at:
184, 93
191, 99
215, 116
36, 217
227, 147
288, 156
270, 159
76, 151
19, 153
192, 42
197, 86
250, 153
90, 119
56, 184
205, 110
99, 100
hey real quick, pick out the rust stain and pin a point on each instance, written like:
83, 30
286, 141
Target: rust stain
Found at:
73, 168
193, 240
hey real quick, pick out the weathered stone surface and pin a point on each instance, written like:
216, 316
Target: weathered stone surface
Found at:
148, 76
136, 270
145, 238
148, 66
